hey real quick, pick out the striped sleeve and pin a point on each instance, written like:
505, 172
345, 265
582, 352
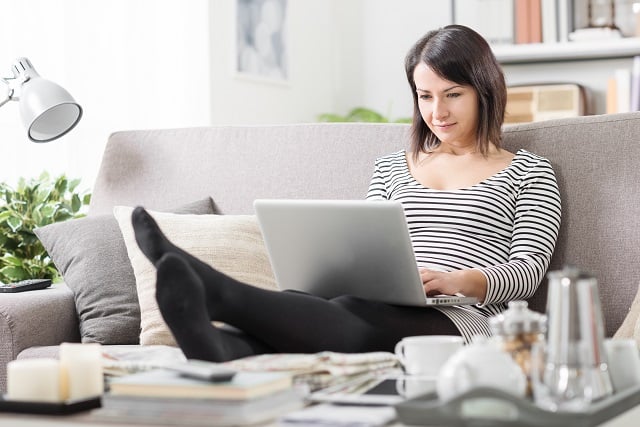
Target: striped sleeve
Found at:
377, 186
535, 231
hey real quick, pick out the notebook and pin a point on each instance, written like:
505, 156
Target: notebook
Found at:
330, 248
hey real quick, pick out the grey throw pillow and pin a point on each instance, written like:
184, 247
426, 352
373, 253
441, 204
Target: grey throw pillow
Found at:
91, 256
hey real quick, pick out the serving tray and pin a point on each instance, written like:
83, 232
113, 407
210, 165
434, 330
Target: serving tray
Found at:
47, 408
486, 406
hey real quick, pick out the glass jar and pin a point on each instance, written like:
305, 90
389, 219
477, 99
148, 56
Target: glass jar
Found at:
517, 329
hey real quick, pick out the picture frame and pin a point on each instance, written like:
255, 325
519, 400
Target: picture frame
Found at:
261, 34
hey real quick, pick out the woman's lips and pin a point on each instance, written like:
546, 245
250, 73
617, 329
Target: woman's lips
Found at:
445, 126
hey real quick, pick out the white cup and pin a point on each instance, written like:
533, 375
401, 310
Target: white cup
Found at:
412, 386
623, 362
426, 354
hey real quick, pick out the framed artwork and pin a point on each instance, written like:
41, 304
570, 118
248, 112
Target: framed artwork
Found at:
261, 40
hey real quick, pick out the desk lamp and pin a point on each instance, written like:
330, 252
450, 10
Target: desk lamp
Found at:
48, 111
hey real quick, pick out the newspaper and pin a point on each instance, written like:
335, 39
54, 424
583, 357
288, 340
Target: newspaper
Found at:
316, 370
320, 370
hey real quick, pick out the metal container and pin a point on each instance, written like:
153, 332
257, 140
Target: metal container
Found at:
575, 371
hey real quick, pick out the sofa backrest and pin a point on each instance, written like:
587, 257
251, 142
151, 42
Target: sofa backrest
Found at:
236, 165
597, 164
596, 159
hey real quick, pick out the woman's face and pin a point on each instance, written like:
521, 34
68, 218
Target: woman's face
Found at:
449, 109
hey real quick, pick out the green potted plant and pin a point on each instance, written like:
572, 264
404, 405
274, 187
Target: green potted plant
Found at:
34, 203
360, 114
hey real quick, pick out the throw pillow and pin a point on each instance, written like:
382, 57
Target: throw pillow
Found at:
91, 256
231, 243
630, 327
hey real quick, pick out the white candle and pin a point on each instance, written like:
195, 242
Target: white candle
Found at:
83, 366
35, 380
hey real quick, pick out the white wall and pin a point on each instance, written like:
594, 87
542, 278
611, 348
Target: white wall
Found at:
309, 90
343, 54
131, 64
135, 64
390, 29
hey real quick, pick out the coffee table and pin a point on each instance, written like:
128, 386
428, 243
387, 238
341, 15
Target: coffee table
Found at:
627, 419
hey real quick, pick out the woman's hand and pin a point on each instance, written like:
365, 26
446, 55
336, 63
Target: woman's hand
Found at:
471, 283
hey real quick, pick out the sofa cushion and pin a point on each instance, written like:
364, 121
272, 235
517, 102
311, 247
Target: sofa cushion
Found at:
630, 327
231, 243
91, 256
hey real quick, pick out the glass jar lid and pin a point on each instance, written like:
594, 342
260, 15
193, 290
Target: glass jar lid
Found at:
518, 319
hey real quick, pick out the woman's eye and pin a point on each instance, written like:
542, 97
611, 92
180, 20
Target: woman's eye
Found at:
425, 97
453, 95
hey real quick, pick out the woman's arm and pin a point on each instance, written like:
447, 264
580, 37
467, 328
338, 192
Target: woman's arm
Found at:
471, 283
535, 232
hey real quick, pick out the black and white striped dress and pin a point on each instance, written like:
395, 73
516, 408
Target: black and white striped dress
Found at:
506, 226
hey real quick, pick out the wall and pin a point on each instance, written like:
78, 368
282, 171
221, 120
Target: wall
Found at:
136, 64
343, 54
130, 64
389, 32
314, 67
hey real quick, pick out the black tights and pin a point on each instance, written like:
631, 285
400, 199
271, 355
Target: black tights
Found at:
191, 294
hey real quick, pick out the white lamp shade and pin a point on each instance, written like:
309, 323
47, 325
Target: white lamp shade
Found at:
48, 111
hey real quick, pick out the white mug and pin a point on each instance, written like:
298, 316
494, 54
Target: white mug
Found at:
623, 362
412, 386
426, 354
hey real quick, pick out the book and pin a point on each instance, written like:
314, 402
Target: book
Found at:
198, 412
565, 19
635, 84
167, 383
491, 18
535, 21
522, 24
549, 21
623, 86
612, 96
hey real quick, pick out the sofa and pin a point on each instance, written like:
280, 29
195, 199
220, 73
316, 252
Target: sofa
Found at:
596, 159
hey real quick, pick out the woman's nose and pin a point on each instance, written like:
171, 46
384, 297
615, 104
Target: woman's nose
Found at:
440, 110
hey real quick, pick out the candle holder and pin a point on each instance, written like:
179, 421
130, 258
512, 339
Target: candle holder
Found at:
602, 14
595, 20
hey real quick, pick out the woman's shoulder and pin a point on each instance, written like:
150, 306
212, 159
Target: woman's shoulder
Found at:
392, 157
528, 166
392, 160
524, 157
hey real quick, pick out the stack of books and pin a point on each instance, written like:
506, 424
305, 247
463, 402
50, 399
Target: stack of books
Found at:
165, 397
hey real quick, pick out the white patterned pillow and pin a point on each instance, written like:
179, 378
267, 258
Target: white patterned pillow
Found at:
232, 244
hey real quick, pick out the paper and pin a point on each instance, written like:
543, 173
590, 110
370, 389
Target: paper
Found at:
341, 415
322, 369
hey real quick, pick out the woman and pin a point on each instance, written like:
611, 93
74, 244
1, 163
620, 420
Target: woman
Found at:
483, 223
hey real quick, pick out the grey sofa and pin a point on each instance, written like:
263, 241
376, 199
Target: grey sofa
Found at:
596, 158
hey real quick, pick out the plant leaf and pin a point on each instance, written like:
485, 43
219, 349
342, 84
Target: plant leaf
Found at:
14, 273
8, 259
14, 222
76, 203
4, 215
34, 203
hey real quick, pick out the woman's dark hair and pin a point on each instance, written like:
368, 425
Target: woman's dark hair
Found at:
460, 55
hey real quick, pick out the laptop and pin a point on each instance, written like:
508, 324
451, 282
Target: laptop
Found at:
330, 248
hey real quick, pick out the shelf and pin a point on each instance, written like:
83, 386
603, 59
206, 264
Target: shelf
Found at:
567, 51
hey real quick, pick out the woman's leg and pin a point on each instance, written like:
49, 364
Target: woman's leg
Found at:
180, 296
286, 321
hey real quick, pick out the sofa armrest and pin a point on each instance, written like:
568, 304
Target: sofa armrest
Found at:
35, 318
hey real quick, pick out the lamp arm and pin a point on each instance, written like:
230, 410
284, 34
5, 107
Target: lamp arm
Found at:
9, 93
